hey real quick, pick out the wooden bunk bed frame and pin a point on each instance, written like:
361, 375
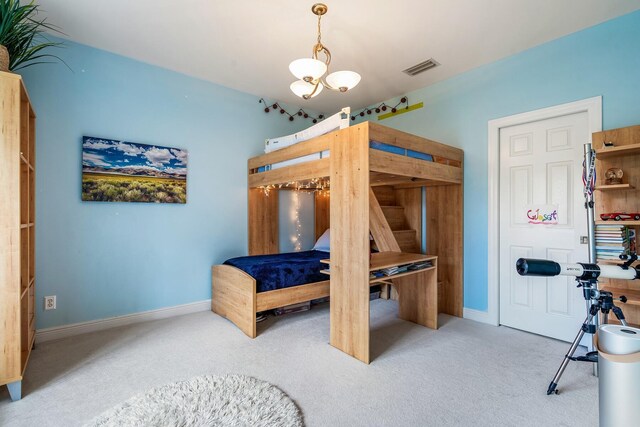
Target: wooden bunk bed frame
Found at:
359, 177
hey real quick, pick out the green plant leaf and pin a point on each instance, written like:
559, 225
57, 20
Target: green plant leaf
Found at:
23, 34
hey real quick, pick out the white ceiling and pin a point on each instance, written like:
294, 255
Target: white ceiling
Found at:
248, 44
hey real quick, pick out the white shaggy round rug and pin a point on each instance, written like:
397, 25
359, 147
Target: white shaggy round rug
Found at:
230, 400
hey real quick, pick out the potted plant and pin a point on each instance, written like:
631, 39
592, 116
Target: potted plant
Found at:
22, 36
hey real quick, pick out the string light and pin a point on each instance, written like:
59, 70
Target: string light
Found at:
382, 107
266, 189
320, 185
300, 113
296, 239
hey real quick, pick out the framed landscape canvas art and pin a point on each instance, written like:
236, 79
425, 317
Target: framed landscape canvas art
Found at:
120, 171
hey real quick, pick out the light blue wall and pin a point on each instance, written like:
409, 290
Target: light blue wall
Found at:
602, 60
110, 259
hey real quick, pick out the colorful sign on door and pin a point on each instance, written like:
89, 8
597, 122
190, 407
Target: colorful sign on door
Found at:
542, 214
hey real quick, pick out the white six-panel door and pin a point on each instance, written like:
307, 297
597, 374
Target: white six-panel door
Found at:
541, 164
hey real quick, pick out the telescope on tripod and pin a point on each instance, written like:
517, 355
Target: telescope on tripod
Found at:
587, 275
618, 347
581, 271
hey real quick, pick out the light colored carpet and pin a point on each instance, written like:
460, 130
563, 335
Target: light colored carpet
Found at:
465, 373
215, 401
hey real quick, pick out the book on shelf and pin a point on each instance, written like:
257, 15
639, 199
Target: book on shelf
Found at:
420, 265
390, 271
613, 240
397, 269
376, 274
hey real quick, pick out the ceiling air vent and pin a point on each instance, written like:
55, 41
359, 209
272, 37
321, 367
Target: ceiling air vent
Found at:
421, 67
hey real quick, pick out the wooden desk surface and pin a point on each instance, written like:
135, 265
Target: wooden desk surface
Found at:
380, 260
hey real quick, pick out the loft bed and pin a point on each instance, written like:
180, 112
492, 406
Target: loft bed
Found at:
372, 191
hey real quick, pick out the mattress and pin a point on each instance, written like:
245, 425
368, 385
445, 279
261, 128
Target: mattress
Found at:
281, 271
401, 151
373, 144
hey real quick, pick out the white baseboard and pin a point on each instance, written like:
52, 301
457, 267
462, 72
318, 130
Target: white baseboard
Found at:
64, 331
478, 316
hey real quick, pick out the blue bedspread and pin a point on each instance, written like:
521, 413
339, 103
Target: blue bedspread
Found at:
282, 270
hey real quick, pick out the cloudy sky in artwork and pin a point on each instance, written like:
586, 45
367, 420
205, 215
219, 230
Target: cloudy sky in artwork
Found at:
112, 154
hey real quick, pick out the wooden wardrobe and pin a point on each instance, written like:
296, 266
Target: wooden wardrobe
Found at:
17, 231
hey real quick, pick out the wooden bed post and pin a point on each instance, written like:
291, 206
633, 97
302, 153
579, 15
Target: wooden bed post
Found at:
350, 241
263, 222
233, 296
444, 238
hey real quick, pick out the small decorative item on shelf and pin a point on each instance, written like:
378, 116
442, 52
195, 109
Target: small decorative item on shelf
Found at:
613, 176
617, 216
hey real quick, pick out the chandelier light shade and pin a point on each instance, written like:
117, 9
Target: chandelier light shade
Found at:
312, 71
304, 89
308, 69
343, 80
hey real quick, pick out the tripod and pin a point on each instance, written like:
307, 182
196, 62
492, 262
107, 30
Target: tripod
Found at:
600, 301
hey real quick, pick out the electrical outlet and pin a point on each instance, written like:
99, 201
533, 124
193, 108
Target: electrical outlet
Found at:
50, 302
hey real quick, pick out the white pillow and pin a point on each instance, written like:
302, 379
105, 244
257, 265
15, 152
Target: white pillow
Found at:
323, 242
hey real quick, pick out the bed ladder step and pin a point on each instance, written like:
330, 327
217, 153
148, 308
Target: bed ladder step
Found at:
389, 224
395, 217
385, 195
406, 240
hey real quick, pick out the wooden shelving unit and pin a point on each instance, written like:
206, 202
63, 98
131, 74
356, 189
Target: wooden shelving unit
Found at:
615, 187
383, 260
17, 236
610, 222
618, 150
624, 154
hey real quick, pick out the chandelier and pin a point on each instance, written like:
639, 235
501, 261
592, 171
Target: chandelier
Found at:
312, 71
